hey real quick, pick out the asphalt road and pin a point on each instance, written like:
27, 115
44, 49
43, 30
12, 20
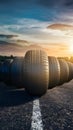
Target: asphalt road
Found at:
56, 107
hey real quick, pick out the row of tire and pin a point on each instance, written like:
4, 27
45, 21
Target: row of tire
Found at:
61, 71
36, 72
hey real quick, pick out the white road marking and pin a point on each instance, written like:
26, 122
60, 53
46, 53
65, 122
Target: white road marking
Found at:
37, 123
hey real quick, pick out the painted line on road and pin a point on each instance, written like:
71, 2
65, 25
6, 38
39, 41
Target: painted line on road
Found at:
37, 123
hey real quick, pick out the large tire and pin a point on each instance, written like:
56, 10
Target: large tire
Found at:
54, 72
70, 65
36, 72
16, 72
64, 71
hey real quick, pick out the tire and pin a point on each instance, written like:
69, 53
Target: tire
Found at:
64, 71
70, 65
1, 78
16, 72
5, 71
36, 72
54, 72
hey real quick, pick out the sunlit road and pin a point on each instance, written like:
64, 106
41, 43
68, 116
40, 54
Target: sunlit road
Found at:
56, 108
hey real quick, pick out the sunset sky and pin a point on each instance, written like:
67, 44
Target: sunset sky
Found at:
27, 24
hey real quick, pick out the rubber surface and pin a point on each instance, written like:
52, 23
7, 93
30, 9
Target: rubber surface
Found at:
54, 72
36, 72
64, 71
16, 72
5, 71
1, 63
70, 65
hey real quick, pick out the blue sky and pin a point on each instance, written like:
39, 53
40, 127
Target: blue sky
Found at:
27, 21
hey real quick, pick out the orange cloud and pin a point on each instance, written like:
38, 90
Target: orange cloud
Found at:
59, 26
52, 49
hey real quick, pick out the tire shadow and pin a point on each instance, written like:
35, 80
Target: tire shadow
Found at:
13, 97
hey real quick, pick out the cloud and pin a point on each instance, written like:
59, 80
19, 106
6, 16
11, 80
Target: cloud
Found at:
18, 43
43, 10
56, 3
59, 49
7, 48
5, 43
69, 3
62, 29
49, 3
29, 31
59, 26
26, 29
7, 36
23, 41
18, 5
21, 46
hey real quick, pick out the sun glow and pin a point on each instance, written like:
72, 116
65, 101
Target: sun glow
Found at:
71, 49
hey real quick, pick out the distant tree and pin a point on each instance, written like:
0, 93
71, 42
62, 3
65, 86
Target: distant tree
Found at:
71, 59
65, 58
11, 57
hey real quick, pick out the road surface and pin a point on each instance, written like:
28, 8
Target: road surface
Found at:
52, 111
